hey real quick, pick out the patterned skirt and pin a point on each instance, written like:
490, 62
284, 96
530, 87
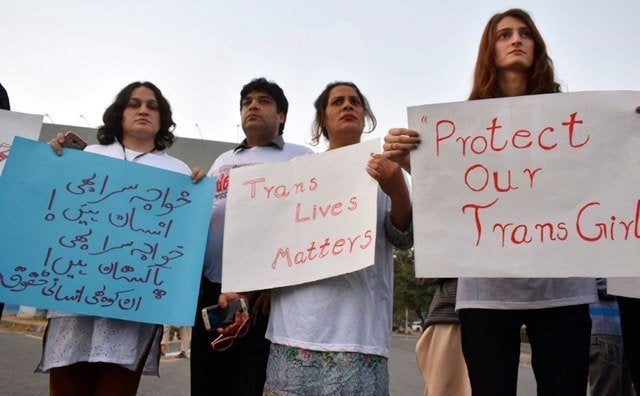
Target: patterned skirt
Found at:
296, 371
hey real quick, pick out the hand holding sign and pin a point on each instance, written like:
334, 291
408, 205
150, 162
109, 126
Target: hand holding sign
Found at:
397, 146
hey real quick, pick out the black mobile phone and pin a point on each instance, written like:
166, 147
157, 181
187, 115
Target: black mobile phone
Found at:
72, 140
214, 316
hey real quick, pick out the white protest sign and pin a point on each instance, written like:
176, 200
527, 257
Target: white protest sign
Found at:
531, 186
311, 218
626, 287
13, 124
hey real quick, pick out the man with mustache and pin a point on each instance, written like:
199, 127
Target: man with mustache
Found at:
240, 369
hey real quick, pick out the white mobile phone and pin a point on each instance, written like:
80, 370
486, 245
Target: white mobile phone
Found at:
214, 316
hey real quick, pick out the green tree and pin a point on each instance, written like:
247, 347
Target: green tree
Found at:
408, 291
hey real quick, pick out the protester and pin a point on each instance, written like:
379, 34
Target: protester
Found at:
513, 61
332, 336
608, 370
88, 355
439, 349
630, 326
240, 369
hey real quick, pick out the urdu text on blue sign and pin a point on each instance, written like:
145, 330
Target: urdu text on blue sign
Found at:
89, 234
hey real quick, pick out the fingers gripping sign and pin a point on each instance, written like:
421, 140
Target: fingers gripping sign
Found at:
398, 144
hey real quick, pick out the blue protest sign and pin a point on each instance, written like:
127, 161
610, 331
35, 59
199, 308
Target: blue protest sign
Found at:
89, 234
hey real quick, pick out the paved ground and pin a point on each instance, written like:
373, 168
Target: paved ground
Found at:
21, 342
36, 326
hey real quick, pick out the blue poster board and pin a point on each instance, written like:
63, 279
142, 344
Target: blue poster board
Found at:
89, 234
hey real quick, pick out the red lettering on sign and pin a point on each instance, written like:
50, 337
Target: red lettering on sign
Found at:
341, 246
497, 141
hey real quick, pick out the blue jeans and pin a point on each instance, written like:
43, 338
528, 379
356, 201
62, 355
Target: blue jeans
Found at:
608, 371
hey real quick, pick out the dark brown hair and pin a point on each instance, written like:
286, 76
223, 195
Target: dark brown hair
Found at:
112, 118
318, 128
541, 78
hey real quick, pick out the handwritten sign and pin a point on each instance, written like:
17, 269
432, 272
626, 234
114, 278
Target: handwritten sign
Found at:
89, 234
532, 186
13, 123
310, 218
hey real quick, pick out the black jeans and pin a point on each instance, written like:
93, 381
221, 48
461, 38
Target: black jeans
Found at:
630, 323
559, 339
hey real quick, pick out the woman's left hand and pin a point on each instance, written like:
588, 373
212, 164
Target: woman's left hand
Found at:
388, 173
391, 180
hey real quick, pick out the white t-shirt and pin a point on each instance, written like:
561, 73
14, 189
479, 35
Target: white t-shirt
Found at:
220, 168
157, 159
524, 293
346, 313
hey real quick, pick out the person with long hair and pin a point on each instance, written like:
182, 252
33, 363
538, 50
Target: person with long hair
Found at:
332, 336
513, 61
90, 355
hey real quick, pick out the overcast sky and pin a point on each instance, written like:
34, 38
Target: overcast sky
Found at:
70, 58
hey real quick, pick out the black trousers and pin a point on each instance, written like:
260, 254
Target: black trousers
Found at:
630, 323
240, 370
559, 339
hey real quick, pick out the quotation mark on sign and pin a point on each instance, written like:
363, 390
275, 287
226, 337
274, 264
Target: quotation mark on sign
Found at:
424, 119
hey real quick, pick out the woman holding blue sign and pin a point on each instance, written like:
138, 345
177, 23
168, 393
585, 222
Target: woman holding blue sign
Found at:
89, 355
332, 336
513, 61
